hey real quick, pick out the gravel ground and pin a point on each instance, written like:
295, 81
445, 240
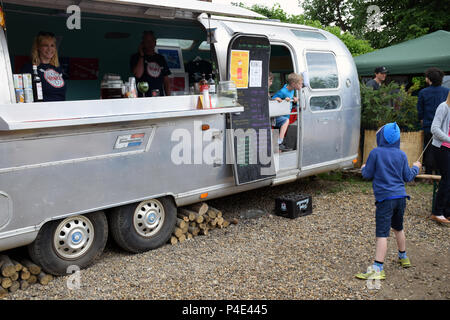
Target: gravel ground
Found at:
269, 257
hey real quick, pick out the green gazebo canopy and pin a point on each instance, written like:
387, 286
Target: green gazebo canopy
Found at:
409, 57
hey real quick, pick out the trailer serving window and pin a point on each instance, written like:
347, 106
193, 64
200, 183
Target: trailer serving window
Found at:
104, 44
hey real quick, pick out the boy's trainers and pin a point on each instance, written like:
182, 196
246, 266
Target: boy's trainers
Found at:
283, 147
371, 274
405, 263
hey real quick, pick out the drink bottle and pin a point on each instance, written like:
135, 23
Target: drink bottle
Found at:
212, 85
37, 86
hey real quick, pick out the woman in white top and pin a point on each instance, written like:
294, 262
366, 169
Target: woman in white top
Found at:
440, 128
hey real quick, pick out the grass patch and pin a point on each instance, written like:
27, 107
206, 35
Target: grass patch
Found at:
337, 181
331, 176
336, 188
420, 187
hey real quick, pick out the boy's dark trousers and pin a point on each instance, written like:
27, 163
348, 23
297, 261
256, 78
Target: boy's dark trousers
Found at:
442, 203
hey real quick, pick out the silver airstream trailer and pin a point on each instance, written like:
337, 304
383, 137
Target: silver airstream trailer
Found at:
72, 171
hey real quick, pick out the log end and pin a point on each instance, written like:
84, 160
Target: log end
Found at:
3, 293
44, 279
173, 240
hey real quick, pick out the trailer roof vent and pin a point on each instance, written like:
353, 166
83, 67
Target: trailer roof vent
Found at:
308, 35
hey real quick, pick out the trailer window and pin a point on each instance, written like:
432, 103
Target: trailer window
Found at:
204, 46
322, 69
325, 103
181, 43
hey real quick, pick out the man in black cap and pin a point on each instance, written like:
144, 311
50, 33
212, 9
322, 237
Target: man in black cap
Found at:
380, 76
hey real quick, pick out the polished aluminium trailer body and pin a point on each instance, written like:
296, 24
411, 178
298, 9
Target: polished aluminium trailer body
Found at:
67, 159
327, 138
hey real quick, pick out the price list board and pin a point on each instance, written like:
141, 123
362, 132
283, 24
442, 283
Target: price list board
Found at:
248, 67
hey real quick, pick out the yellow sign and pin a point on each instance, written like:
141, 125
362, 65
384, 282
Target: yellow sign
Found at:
2, 18
239, 68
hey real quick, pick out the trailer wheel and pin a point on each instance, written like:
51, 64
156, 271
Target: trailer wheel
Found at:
143, 226
74, 241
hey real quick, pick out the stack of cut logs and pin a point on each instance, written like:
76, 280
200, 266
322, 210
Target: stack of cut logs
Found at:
197, 219
15, 275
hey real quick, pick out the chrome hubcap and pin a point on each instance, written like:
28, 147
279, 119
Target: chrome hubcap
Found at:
73, 237
148, 218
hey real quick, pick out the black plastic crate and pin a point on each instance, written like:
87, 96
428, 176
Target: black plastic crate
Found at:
293, 205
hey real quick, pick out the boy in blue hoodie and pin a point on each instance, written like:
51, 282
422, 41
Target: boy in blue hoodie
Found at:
387, 167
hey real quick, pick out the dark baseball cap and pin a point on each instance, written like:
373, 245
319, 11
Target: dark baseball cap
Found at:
381, 70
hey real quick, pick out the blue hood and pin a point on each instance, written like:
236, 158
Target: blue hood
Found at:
382, 142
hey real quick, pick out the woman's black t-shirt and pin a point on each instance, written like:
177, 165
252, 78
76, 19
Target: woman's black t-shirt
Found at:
53, 83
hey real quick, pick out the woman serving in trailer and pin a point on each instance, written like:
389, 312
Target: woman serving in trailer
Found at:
45, 56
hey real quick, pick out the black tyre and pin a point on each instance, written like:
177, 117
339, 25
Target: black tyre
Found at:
77, 240
143, 226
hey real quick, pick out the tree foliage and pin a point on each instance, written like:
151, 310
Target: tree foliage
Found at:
354, 45
381, 22
334, 12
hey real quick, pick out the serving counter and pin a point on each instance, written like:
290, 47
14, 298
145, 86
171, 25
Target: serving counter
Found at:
82, 112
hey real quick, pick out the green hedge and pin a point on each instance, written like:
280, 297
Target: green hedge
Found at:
388, 104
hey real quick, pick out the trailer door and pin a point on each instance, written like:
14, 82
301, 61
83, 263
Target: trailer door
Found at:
249, 133
322, 119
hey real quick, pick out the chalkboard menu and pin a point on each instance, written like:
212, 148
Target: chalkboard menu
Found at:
248, 67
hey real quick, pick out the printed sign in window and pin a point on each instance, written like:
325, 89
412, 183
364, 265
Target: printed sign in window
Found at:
239, 68
255, 73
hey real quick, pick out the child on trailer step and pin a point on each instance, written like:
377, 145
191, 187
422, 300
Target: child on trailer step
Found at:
295, 82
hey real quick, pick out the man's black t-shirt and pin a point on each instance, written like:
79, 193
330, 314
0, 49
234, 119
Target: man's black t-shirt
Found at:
373, 84
155, 69
53, 83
